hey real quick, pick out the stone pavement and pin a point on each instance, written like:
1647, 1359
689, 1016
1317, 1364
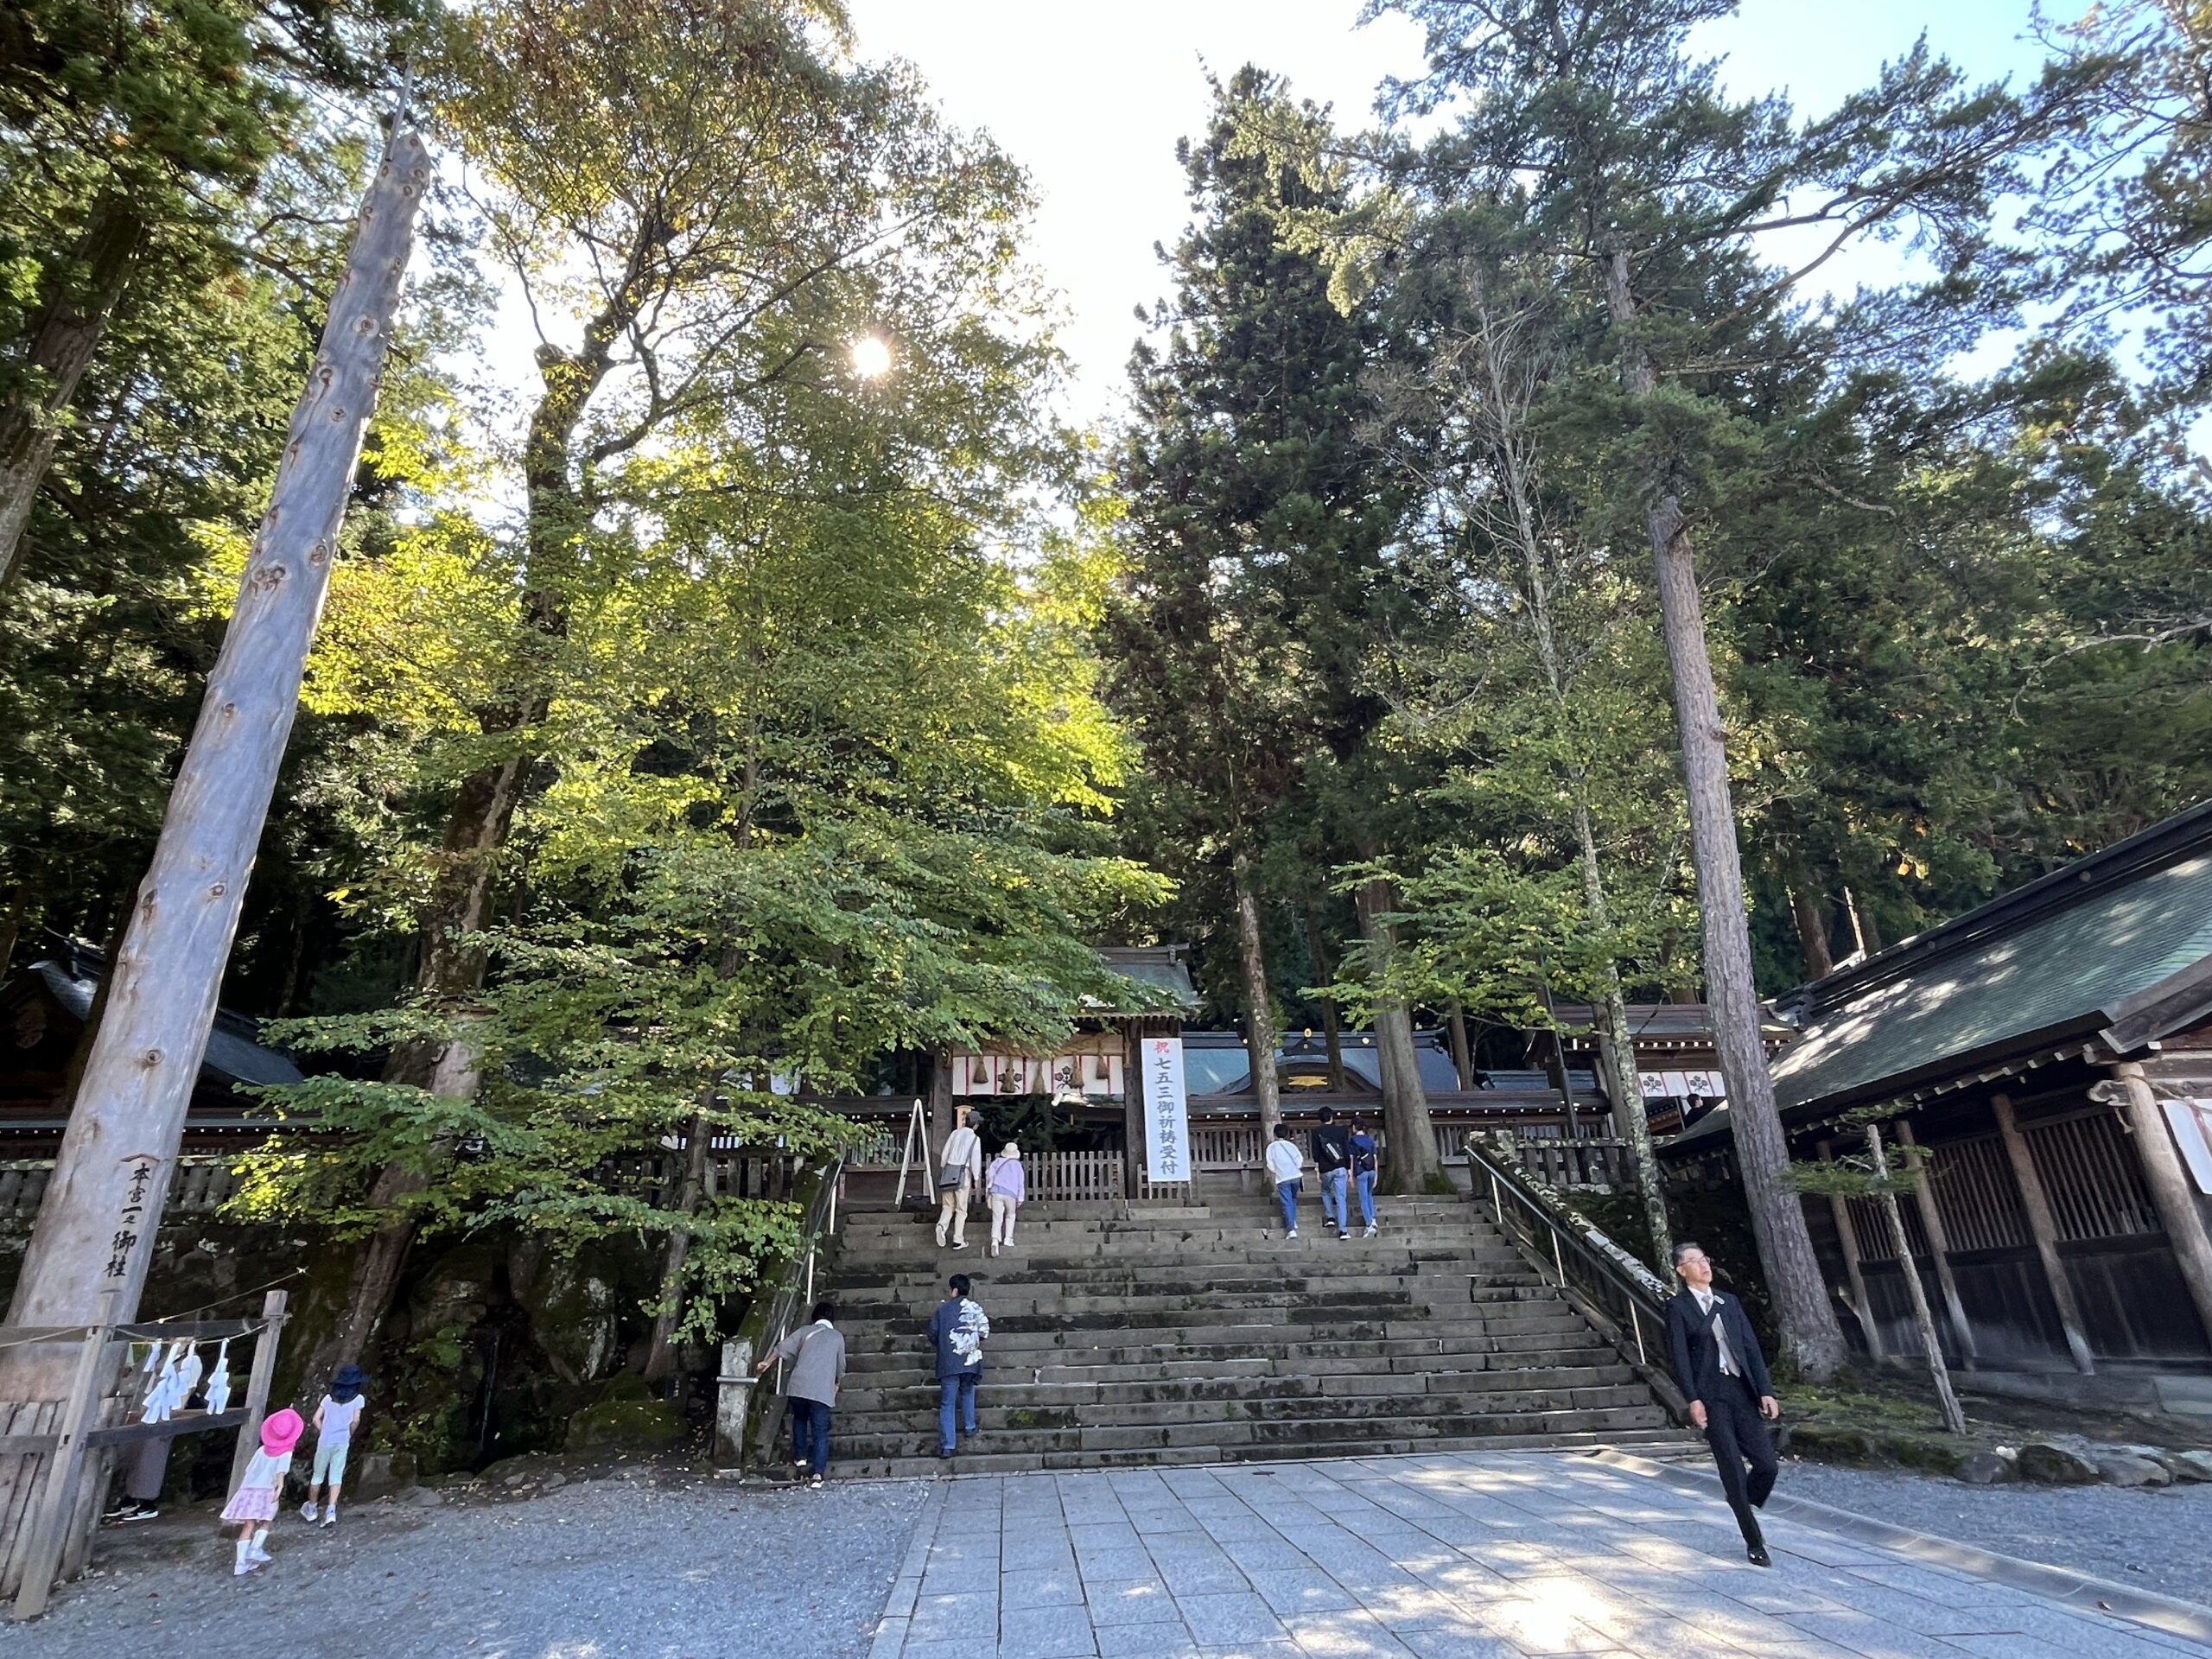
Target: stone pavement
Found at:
1469, 1555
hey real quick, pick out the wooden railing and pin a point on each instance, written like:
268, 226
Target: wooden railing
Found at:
1074, 1177
1591, 1164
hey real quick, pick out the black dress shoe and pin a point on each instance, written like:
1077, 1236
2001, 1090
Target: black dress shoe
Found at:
1757, 1556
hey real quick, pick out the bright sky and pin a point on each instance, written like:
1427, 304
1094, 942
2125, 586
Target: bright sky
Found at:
1091, 99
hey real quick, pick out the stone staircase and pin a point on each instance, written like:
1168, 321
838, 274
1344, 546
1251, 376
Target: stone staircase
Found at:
1202, 1335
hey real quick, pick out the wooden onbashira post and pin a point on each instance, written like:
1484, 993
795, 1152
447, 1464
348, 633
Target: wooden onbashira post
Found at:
96, 1226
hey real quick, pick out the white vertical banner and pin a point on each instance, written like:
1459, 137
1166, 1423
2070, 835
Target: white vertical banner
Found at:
1167, 1113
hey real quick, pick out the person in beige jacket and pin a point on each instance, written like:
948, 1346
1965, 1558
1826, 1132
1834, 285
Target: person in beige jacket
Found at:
959, 1173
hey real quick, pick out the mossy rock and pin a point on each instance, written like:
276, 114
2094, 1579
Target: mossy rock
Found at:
1917, 1452
626, 1416
1825, 1444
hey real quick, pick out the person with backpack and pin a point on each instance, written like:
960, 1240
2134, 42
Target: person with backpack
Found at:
816, 1353
1332, 1157
1366, 1164
959, 1173
1006, 1187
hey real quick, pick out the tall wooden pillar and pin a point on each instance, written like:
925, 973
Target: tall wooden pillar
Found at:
941, 1117
1847, 1240
2043, 1228
1939, 1246
2170, 1188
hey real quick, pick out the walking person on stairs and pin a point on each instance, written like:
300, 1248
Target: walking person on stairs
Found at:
1723, 1375
959, 1173
1286, 1168
1332, 1157
816, 1354
957, 1330
1006, 1187
1366, 1165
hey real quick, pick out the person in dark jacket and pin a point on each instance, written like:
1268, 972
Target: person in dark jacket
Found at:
1723, 1375
1332, 1157
956, 1331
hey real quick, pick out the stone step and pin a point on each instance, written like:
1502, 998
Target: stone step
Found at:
1137, 1362
1651, 1441
1294, 1436
1012, 1274
1440, 1298
1415, 1390
1026, 1331
1199, 1333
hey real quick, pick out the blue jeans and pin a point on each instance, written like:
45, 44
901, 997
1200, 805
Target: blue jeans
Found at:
1287, 1193
1335, 1204
810, 1433
955, 1394
1365, 1178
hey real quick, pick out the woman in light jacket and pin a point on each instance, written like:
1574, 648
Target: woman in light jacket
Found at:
1006, 1187
960, 1171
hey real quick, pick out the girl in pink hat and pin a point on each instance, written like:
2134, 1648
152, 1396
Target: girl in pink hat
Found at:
253, 1506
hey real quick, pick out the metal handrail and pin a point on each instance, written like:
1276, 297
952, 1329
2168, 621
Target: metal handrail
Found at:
770, 1317
1624, 1299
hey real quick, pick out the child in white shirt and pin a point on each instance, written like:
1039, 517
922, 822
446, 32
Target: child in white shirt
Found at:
333, 1428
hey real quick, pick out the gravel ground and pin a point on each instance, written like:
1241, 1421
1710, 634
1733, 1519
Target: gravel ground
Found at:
642, 1566
2157, 1539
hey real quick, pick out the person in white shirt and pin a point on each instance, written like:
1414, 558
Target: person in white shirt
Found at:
1287, 1166
1723, 1375
335, 1420
960, 1171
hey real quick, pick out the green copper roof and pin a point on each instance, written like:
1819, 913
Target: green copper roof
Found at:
2068, 966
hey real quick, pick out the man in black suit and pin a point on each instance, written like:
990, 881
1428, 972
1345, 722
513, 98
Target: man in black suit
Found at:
1723, 1377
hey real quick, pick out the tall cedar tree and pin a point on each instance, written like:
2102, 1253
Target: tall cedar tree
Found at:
1239, 636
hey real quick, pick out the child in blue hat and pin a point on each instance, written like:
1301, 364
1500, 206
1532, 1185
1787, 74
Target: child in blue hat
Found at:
333, 1428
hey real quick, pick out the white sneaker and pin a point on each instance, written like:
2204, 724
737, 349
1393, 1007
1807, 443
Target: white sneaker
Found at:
242, 1566
1369, 1233
330, 1515
1292, 1233
307, 1511
257, 1555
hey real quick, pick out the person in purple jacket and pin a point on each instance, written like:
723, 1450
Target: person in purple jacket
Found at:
1005, 1185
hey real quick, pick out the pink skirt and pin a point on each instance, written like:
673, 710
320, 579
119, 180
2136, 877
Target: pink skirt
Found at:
251, 1503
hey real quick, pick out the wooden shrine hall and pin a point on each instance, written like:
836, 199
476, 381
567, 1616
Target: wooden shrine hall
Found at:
2052, 1051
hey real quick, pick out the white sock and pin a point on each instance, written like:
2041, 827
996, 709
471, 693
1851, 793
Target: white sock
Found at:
239, 1562
261, 1542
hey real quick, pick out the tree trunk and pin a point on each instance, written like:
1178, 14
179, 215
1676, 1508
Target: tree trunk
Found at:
1463, 1052
1812, 930
1332, 1036
1864, 932
1955, 1417
67, 336
95, 1231
1616, 1045
11, 927
660, 1355
1260, 1037
1810, 1337
1413, 1166
451, 965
